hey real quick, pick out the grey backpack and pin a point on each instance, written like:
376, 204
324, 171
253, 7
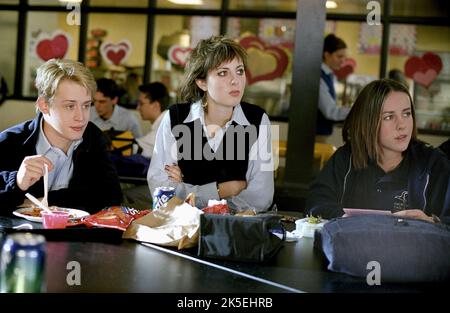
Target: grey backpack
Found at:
407, 250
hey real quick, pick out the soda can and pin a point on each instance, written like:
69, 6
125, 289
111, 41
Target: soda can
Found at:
161, 196
22, 265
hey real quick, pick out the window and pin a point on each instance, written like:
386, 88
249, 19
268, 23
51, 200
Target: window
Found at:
351, 6
8, 33
174, 37
423, 8
119, 3
425, 61
189, 4
116, 50
269, 44
47, 36
177, 26
263, 5
363, 48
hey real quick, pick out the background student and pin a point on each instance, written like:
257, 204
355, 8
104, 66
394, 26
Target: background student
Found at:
213, 88
333, 56
61, 136
106, 114
382, 165
152, 104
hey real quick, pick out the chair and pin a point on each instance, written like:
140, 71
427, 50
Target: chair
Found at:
323, 152
120, 141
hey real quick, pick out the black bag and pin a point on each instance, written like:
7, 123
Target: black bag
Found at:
240, 238
407, 250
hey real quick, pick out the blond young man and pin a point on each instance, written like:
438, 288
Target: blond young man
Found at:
61, 136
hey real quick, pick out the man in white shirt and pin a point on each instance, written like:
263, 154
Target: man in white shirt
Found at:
106, 114
152, 104
334, 54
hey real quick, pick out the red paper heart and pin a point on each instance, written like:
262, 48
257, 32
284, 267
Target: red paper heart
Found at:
425, 69
115, 56
178, 55
425, 79
115, 53
47, 49
346, 69
281, 59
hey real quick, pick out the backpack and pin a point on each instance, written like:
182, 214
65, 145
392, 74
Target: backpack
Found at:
407, 250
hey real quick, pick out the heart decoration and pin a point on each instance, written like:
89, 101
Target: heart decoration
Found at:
115, 54
348, 67
52, 46
178, 55
425, 69
265, 62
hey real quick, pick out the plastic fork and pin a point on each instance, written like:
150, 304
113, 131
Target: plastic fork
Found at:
38, 203
45, 199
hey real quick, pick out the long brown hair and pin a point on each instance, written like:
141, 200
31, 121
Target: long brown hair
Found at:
208, 55
362, 125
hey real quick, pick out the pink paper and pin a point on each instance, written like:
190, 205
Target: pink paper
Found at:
356, 212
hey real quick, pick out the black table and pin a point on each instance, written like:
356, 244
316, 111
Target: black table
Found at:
128, 266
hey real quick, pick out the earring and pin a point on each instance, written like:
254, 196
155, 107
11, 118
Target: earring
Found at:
204, 100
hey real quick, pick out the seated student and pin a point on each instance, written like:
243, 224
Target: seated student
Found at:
382, 164
195, 150
445, 147
106, 114
152, 105
61, 136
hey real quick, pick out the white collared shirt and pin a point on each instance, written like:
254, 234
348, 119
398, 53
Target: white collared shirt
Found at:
260, 184
327, 105
121, 119
62, 172
147, 142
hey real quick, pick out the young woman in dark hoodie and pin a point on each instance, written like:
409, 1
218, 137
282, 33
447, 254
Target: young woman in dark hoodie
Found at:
382, 165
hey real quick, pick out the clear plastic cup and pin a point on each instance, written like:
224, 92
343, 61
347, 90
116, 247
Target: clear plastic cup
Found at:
55, 219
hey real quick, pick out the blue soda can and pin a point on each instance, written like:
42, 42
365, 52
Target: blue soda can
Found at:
161, 196
22, 263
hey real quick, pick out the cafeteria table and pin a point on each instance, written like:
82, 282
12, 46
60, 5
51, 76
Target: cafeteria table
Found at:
109, 264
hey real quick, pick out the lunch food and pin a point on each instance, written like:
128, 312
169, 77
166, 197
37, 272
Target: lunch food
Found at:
36, 212
117, 217
314, 220
217, 209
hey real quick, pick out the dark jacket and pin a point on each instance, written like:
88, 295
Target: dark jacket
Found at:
93, 186
428, 183
446, 148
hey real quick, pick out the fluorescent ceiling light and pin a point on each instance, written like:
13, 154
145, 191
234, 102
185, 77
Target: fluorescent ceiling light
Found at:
187, 2
331, 5
70, 1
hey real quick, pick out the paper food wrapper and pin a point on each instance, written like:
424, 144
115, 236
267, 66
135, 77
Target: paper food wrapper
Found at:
176, 224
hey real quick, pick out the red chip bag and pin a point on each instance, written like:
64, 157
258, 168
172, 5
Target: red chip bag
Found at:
217, 209
114, 217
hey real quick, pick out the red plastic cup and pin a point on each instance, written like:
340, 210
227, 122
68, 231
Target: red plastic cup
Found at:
55, 219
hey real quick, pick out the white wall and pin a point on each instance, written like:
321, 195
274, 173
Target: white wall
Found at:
13, 112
